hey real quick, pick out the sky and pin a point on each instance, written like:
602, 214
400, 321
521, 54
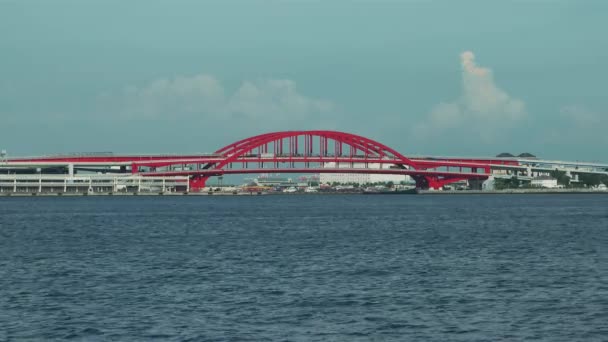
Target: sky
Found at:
461, 78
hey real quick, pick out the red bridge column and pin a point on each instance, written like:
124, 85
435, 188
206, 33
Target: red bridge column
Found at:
197, 183
428, 182
423, 182
436, 183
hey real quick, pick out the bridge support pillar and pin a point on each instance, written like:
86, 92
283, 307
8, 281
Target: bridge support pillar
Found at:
197, 183
437, 183
434, 183
476, 184
427, 183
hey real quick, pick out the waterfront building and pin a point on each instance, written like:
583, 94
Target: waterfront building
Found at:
91, 183
273, 181
360, 178
544, 182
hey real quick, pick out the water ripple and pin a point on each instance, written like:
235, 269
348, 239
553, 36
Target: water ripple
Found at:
304, 268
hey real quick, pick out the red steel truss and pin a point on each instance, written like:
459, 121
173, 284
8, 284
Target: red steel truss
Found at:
314, 151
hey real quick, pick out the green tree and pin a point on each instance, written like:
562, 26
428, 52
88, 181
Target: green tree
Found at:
592, 179
504, 183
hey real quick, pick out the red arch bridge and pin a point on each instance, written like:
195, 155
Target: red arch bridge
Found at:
316, 151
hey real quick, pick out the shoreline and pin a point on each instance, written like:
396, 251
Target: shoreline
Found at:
513, 192
419, 192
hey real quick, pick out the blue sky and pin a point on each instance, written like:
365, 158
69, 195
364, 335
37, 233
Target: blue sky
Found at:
425, 77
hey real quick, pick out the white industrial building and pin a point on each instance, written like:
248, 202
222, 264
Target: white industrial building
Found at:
91, 183
544, 182
360, 178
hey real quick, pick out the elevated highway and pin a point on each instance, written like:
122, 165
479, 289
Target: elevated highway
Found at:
302, 152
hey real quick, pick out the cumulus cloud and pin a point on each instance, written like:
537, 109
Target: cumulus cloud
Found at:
205, 97
576, 124
483, 106
165, 97
274, 98
583, 118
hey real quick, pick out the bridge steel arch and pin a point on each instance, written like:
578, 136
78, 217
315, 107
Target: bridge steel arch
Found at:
288, 151
303, 144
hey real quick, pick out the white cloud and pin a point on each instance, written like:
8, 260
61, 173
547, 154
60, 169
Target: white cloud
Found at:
203, 96
274, 98
583, 118
579, 125
483, 108
201, 93
576, 130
